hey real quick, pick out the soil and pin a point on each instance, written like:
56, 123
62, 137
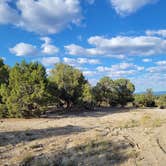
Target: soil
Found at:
127, 137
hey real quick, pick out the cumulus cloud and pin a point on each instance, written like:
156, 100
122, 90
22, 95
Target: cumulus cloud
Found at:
49, 61
114, 71
161, 32
7, 13
47, 47
120, 70
80, 61
25, 49
89, 73
126, 7
161, 62
146, 60
155, 81
120, 45
157, 69
42, 16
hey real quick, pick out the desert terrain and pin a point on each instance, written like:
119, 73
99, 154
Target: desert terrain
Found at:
124, 137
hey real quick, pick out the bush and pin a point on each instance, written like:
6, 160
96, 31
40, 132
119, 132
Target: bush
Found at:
145, 100
161, 102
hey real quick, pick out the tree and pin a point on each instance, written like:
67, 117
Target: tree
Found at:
87, 96
104, 91
70, 83
4, 78
125, 90
4, 72
26, 90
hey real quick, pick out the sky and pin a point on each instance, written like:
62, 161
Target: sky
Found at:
115, 38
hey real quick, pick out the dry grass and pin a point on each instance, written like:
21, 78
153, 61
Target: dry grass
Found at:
91, 138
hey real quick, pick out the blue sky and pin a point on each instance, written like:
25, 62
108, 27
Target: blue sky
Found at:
116, 38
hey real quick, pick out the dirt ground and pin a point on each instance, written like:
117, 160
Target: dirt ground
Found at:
129, 137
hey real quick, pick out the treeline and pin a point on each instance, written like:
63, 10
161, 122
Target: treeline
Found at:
27, 91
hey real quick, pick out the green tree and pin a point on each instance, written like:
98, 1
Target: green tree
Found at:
70, 83
139, 100
125, 90
4, 72
4, 78
87, 96
145, 100
26, 90
161, 102
149, 98
105, 92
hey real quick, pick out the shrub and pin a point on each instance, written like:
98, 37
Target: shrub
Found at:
145, 100
161, 102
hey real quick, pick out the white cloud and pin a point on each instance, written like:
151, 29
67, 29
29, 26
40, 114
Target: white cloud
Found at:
155, 81
120, 45
146, 60
161, 32
42, 16
7, 13
157, 69
24, 49
47, 47
89, 73
126, 7
161, 62
80, 61
50, 61
120, 70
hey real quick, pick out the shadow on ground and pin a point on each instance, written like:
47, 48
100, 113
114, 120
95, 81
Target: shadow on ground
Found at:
97, 112
15, 137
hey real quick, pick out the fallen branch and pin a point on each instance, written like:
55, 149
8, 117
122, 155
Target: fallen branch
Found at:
158, 142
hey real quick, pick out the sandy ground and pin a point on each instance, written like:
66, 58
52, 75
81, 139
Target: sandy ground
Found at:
105, 137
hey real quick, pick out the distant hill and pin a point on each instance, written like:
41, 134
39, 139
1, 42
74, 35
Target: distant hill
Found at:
155, 93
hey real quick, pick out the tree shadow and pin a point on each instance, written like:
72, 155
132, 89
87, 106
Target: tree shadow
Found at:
94, 153
97, 112
15, 137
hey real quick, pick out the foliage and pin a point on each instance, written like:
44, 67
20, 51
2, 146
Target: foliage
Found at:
4, 72
161, 102
87, 97
26, 91
145, 100
125, 90
4, 78
104, 92
70, 83
114, 92
25, 94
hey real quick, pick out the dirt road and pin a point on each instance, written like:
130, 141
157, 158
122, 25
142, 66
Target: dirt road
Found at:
123, 137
